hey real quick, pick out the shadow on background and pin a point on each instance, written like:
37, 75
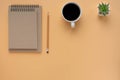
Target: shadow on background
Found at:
77, 28
104, 19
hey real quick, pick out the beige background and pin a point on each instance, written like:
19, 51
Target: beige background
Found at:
91, 51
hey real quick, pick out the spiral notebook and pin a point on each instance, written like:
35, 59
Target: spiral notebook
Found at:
25, 27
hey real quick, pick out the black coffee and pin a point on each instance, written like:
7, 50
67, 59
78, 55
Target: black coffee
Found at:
71, 11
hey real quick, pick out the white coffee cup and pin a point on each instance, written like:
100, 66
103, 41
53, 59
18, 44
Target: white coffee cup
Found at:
71, 12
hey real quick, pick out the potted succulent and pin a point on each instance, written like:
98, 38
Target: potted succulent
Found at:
103, 9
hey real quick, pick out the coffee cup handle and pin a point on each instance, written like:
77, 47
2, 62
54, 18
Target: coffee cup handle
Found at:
72, 24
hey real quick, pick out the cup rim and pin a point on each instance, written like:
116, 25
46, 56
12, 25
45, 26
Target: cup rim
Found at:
78, 7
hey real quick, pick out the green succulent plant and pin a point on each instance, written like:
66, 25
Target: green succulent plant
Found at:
103, 9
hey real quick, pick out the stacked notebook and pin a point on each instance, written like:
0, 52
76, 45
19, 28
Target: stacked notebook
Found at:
25, 27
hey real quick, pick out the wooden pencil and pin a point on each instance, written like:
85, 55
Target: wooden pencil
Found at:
47, 50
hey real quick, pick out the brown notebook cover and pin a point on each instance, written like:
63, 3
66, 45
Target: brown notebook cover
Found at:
25, 27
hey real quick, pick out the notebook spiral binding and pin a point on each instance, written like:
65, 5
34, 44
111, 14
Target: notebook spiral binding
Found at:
23, 8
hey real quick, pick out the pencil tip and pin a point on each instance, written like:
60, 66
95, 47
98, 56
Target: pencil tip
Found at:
47, 51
